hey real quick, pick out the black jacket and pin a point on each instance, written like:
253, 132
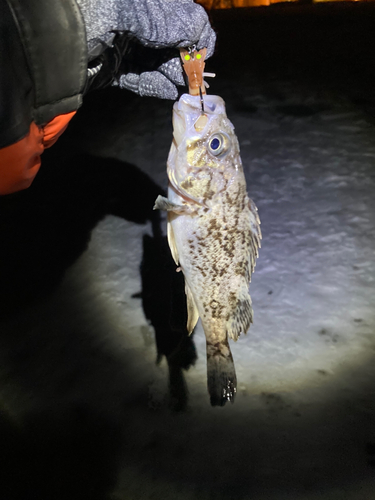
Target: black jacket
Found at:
43, 63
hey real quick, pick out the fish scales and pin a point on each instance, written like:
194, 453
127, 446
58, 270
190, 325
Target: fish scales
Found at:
213, 231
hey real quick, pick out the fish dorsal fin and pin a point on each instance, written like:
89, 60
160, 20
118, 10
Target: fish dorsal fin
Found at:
193, 314
255, 239
171, 241
242, 315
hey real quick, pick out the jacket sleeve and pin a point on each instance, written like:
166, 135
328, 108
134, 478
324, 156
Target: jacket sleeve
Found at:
22, 138
20, 162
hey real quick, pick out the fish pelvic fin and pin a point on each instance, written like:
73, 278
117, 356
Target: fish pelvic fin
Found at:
193, 314
242, 315
221, 373
172, 242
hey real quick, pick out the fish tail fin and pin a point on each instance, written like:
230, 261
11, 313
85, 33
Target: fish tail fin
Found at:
242, 316
221, 373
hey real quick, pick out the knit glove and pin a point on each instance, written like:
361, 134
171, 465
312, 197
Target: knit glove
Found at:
155, 24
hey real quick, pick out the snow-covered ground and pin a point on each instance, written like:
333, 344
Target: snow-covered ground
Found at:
81, 394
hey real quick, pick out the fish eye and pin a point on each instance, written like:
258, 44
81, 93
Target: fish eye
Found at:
218, 144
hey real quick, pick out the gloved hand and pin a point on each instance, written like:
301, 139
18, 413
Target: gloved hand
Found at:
154, 23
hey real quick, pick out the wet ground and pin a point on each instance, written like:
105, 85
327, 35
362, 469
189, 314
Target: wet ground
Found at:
102, 395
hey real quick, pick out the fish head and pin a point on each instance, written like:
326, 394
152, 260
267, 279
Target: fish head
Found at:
204, 155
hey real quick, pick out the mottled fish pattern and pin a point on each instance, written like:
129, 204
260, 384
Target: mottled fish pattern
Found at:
213, 231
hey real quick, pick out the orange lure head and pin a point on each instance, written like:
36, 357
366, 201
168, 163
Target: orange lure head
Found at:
193, 62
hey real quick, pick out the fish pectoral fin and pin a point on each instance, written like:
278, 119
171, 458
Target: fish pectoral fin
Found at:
162, 203
242, 316
172, 243
193, 314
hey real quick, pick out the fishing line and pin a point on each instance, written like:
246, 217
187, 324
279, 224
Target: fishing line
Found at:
202, 102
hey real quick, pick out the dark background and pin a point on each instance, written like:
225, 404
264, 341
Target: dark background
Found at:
77, 451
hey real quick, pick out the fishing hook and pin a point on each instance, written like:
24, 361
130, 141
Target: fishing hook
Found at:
192, 48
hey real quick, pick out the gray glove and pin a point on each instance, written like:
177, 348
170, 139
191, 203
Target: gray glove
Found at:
156, 24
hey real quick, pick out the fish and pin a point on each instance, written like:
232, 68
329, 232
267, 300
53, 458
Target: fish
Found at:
213, 231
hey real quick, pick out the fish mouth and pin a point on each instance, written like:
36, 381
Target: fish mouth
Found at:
187, 112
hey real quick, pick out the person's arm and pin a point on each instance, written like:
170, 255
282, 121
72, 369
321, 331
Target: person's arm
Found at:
157, 24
